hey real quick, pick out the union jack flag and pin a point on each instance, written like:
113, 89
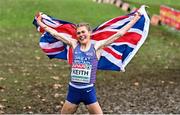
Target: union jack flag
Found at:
114, 57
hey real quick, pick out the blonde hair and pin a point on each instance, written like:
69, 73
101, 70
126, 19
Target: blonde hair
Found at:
84, 24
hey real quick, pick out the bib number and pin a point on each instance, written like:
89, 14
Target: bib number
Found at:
81, 73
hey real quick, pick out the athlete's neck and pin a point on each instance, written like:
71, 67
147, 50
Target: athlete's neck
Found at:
85, 47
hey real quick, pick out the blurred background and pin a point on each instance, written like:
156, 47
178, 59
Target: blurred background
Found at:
31, 83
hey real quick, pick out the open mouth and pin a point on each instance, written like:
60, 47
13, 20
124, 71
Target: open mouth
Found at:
82, 38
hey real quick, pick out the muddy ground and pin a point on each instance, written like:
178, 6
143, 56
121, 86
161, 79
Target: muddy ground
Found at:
143, 93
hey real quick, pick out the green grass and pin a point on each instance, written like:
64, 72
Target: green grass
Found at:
20, 13
27, 76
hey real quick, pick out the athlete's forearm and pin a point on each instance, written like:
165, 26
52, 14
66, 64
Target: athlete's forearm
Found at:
121, 32
53, 32
47, 29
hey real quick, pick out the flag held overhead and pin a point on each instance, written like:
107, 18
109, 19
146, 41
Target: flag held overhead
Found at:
114, 57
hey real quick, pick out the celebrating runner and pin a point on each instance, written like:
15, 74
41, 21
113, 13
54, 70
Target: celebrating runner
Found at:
84, 66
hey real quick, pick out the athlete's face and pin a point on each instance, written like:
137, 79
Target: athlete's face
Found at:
83, 35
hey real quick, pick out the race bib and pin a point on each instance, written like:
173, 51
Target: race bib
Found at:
81, 73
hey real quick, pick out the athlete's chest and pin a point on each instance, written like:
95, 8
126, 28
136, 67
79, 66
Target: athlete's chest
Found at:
83, 57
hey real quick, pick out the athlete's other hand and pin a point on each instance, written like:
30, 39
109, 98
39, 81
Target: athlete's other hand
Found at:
39, 16
141, 10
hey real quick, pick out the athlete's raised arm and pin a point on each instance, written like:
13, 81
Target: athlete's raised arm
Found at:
53, 32
100, 44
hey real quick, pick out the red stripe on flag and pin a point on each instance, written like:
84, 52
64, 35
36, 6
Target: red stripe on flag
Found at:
70, 56
113, 53
53, 49
41, 30
67, 28
130, 37
102, 35
112, 21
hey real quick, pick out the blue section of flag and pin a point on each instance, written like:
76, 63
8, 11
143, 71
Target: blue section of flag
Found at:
47, 37
105, 64
140, 24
